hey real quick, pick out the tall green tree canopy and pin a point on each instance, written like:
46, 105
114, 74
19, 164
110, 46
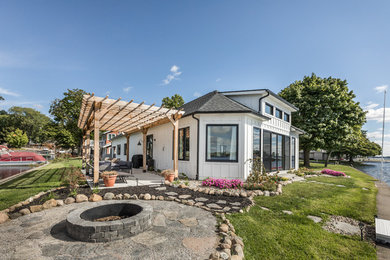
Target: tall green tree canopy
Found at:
327, 112
16, 139
66, 113
175, 101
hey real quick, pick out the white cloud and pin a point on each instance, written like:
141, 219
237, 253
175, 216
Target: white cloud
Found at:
377, 135
127, 89
377, 114
218, 80
175, 73
370, 105
197, 94
10, 103
381, 88
7, 92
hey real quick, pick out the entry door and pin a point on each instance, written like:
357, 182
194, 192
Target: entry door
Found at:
149, 146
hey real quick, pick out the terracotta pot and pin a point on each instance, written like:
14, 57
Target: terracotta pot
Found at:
109, 180
171, 177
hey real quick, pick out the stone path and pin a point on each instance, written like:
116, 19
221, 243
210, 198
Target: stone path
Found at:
178, 232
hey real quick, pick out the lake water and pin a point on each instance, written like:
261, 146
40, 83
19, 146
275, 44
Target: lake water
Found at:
374, 169
8, 171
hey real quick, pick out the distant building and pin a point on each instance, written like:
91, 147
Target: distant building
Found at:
106, 150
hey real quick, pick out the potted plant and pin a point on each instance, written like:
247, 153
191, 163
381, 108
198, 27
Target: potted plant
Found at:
109, 178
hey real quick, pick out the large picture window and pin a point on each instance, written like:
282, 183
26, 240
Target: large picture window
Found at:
256, 142
222, 143
276, 152
184, 144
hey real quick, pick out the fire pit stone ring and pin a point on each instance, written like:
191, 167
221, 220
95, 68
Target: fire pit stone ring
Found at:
81, 223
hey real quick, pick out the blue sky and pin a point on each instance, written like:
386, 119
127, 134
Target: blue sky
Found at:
147, 50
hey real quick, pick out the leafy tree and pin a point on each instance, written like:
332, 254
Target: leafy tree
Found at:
358, 144
29, 120
1, 98
17, 139
175, 101
66, 113
327, 113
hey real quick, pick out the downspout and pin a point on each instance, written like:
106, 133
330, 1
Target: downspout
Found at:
262, 98
197, 147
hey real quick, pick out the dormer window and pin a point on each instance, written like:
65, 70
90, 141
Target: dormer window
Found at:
278, 113
286, 117
269, 109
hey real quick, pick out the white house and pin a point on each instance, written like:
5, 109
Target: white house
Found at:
218, 134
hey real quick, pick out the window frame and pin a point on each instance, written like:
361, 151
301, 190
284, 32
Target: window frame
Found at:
284, 117
281, 113
184, 129
237, 149
118, 148
260, 142
272, 109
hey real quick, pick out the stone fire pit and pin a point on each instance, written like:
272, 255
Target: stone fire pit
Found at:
85, 223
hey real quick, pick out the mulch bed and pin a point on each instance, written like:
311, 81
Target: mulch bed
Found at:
62, 194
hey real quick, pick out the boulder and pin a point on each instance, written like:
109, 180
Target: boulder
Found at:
81, 198
69, 200
49, 204
224, 228
147, 196
134, 197
236, 257
3, 217
60, 203
119, 196
18, 205
26, 202
237, 250
183, 186
160, 197
95, 197
24, 211
36, 208
109, 196
126, 196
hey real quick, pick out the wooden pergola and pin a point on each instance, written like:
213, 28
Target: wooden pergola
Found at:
104, 114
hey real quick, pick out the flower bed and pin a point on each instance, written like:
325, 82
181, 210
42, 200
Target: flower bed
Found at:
222, 183
332, 172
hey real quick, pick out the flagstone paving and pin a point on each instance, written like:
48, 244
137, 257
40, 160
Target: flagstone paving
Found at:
178, 232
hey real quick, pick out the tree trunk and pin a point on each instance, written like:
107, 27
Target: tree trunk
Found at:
306, 157
327, 158
350, 158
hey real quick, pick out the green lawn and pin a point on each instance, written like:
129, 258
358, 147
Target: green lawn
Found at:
42, 179
275, 235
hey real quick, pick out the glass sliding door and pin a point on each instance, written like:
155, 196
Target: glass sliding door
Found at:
256, 143
293, 144
276, 151
286, 163
267, 150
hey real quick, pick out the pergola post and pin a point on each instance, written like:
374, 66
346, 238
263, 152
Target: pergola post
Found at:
144, 132
175, 123
88, 150
83, 152
96, 150
127, 147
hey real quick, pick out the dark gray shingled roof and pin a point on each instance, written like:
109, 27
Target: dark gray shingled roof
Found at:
215, 102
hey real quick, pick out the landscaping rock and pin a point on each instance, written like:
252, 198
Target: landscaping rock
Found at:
264, 208
201, 199
160, 197
95, 197
49, 204
279, 189
184, 196
287, 212
214, 256
226, 209
198, 204
237, 249
153, 197
126, 196
224, 228
221, 202
237, 241
235, 203
213, 206
3, 217
315, 219
171, 193
36, 208
147, 196
18, 205
69, 200
212, 192
26, 202
224, 256
189, 222
243, 194
60, 203
218, 192
225, 246
266, 193
161, 188
236, 257
182, 186
119, 196
24, 211
81, 198
109, 196
134, 197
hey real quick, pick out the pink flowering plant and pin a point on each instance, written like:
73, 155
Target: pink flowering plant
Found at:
222, 183
332, 172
